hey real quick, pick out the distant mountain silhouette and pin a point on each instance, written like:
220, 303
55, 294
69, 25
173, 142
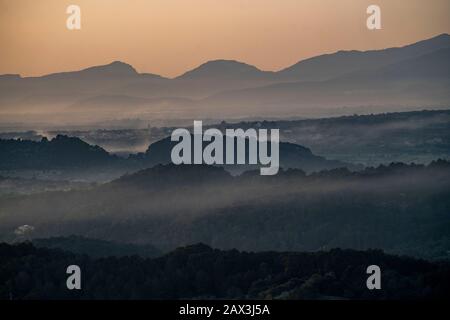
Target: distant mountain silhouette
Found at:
228, 89
224, 69
435, 64
60, 152
332, 65
420, 80
114, 69
322, 67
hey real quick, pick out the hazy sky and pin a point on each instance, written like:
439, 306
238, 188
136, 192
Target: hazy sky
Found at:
168, 37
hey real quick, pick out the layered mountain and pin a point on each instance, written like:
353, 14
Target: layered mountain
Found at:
422, 80
410, 76
329, 66
115, 69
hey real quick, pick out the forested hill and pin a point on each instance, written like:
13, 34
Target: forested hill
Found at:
59, 152
199, 271
290, 156
64, 152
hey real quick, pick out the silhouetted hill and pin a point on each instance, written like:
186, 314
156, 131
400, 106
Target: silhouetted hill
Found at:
229, 89
224, 69
63, 152
198, 271
291, 156
333, 65
417, 81
71, 152
432, 66
59, 152
114, 69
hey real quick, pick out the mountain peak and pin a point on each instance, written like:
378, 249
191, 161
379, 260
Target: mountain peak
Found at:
221, 68
442, 36
114, 68
225, 62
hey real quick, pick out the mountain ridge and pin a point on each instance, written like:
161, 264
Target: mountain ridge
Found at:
440, 41
228, 89
363, 57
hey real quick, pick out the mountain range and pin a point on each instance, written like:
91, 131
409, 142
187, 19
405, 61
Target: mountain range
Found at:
413, 75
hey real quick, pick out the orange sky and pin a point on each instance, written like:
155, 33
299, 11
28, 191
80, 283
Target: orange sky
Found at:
168, 37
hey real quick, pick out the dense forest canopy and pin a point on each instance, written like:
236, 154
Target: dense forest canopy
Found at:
199, 271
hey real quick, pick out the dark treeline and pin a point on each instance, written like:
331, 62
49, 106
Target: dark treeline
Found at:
59, 152
198, 271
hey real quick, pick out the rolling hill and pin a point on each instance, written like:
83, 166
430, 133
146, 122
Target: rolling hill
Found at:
290, 155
